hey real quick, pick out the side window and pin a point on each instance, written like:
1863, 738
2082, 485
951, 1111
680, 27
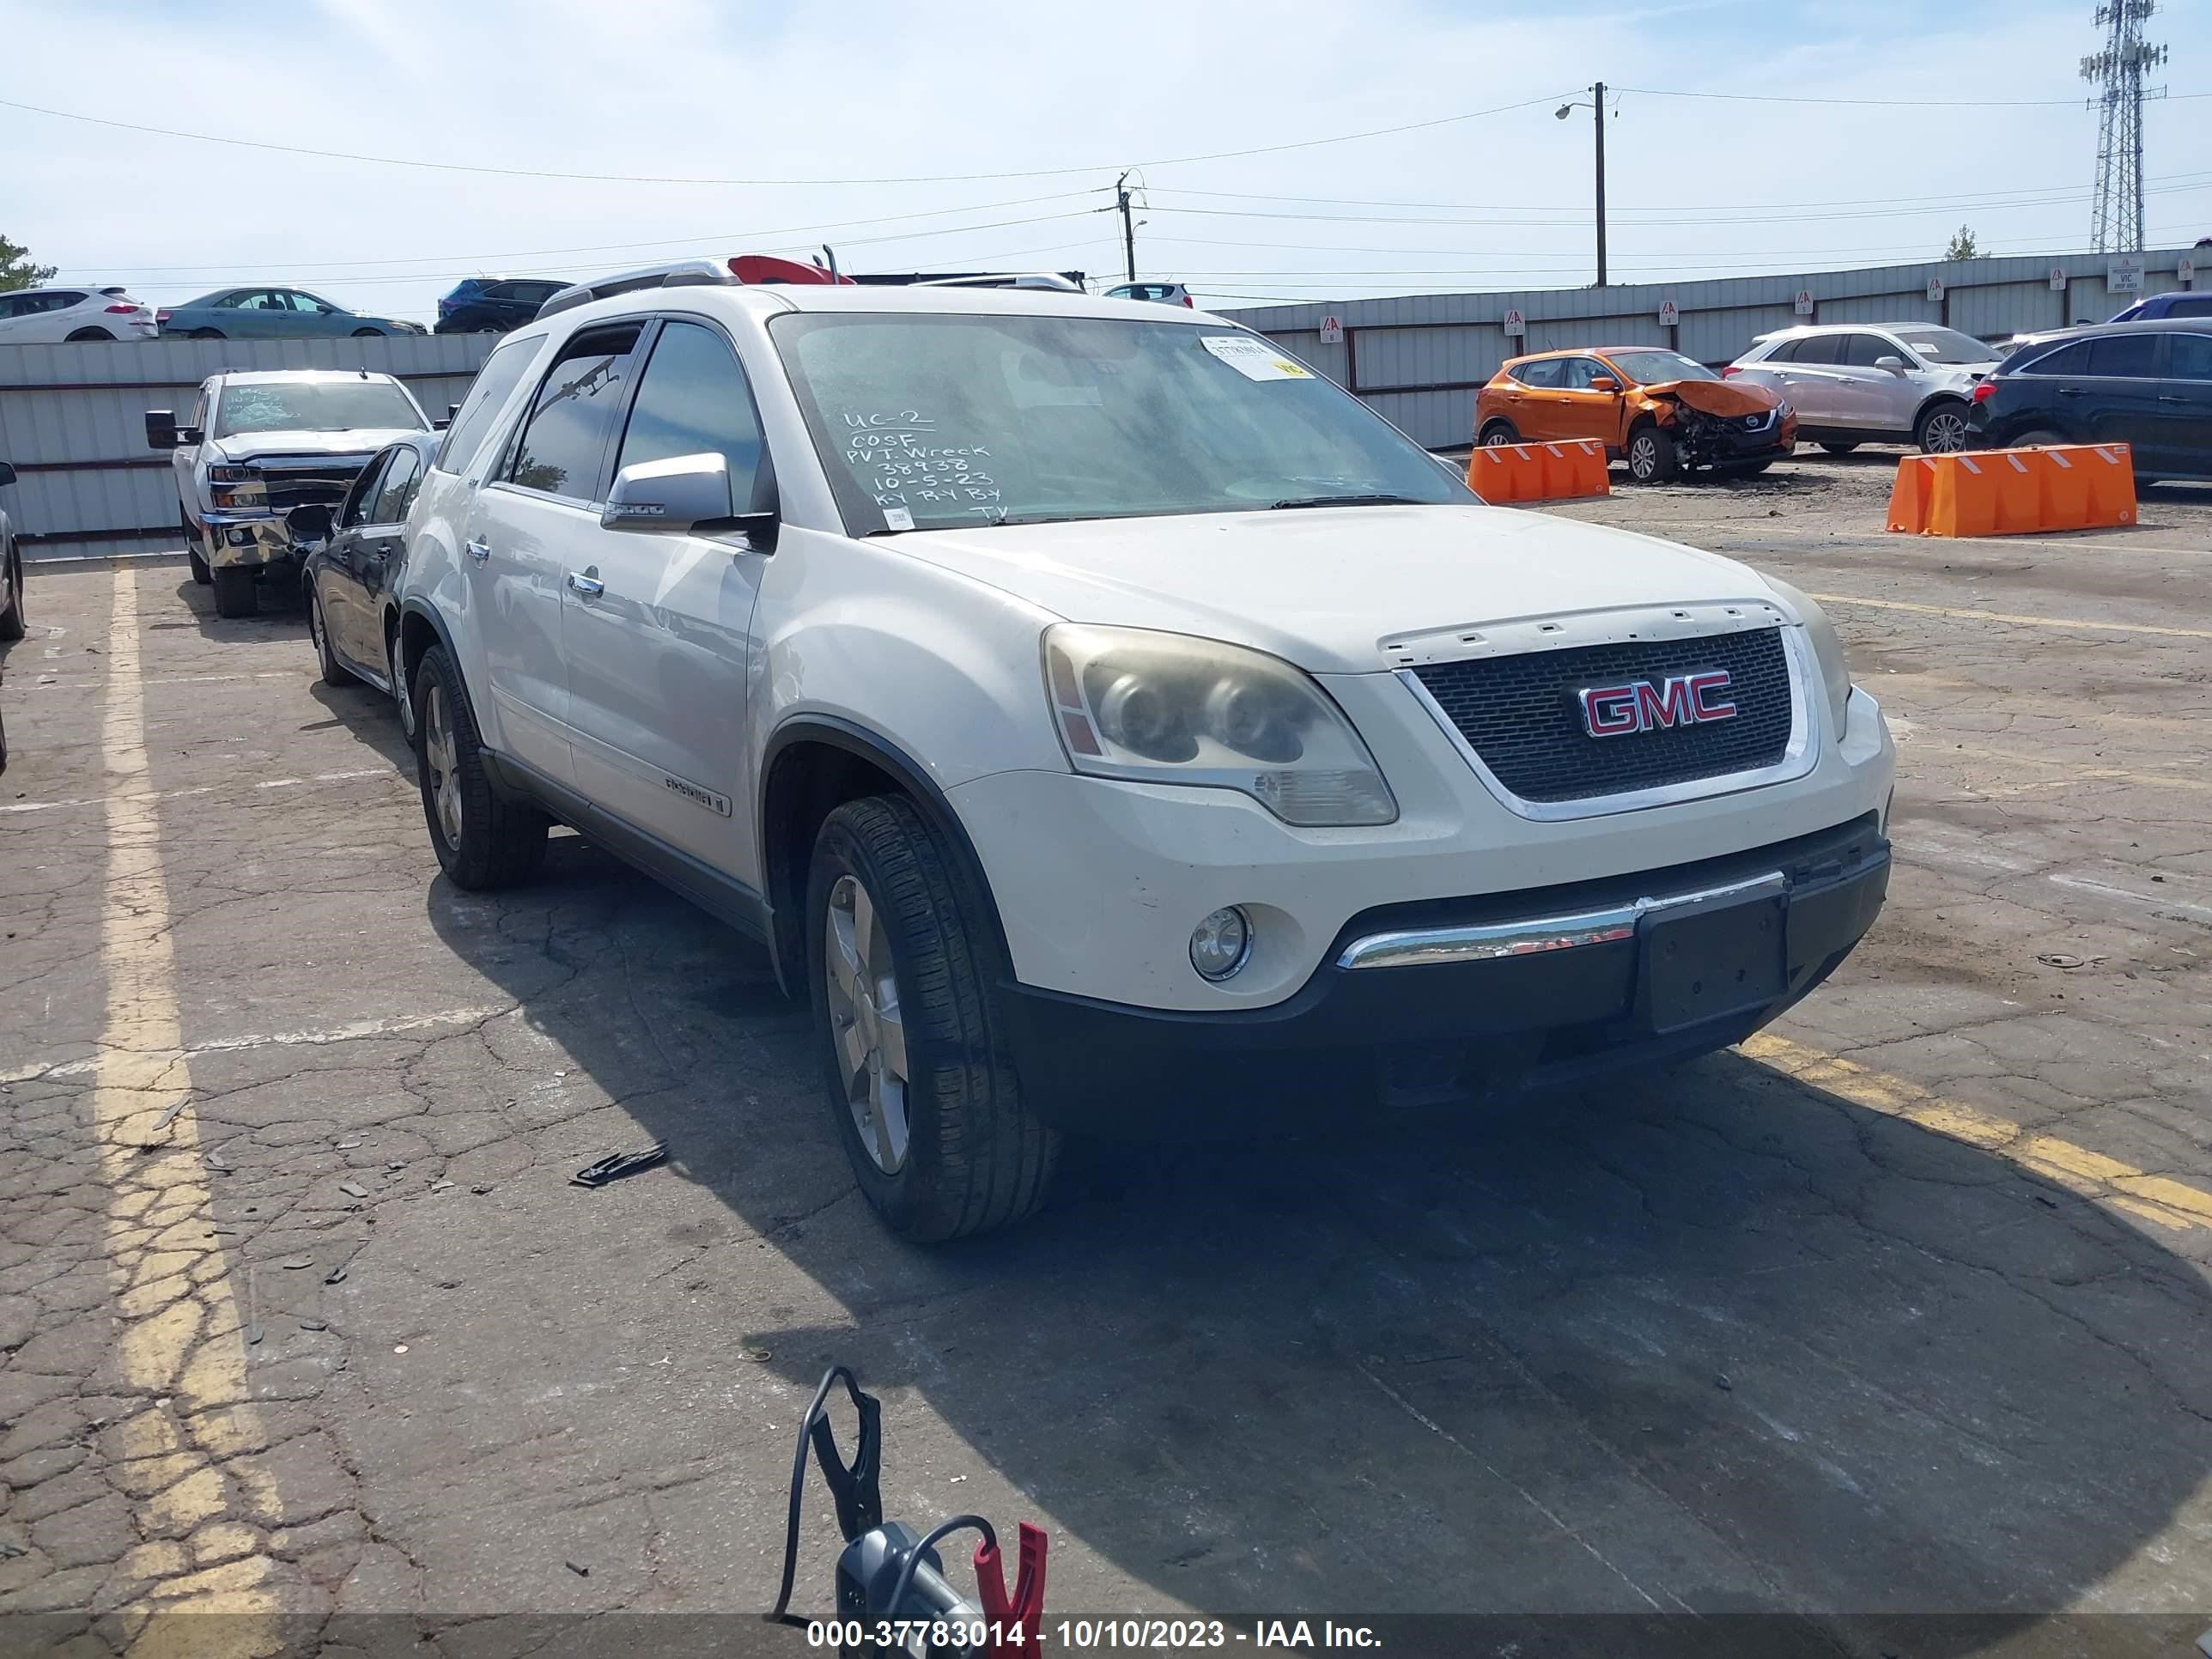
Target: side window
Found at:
1543, 372
694, 398
2067, 360
1826, 349
2193, 305
2192, 359
573, 414
308, 303
354, 508
497, 291
501, 374
1864, 350
1577, 373
1784, 353
395, 493
2124, 357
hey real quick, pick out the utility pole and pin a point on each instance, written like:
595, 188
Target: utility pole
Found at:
1128, 225
2117, 72
1597, 110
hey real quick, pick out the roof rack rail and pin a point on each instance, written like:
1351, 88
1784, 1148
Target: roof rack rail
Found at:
1051, 280
740, 270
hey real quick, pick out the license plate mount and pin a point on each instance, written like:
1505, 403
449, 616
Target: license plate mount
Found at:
1706, 960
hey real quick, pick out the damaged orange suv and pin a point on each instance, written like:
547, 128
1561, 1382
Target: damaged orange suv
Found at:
1659, 410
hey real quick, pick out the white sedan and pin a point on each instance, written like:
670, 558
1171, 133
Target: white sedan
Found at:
50, 316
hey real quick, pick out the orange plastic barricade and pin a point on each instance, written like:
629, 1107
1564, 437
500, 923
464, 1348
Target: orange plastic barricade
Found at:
1502, 473
2010, 492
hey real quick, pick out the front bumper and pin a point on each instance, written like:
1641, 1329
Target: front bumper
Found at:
1469, 997
257, 539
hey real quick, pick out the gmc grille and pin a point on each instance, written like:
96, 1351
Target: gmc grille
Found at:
1520, 713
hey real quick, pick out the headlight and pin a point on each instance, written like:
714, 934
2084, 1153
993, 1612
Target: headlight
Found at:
1172, 708
1781, 411
237, 488
1827, 649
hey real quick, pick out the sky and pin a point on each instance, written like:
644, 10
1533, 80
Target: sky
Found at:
989, 134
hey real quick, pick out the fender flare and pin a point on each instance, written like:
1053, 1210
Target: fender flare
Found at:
881, 753
413, 607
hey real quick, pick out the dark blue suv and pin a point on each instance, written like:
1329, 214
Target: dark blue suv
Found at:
493, 304
2181, 303
2148, 384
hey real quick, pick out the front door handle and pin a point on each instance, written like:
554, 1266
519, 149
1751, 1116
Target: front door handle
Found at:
2167, 398
480, 551
590, 586
2072, 391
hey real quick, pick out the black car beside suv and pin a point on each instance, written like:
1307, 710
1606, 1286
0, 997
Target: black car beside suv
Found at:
2148, 384
493, 304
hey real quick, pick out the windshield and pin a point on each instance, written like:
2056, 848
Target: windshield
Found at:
328, 406
1653, 367
931, 421
1947, 345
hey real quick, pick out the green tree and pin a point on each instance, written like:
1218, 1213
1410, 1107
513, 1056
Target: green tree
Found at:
1963, 245
17, 270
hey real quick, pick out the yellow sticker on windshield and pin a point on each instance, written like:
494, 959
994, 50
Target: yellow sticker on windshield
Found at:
1253, 358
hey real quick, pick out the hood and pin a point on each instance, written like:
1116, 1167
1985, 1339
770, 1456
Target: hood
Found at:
1323, 587
249, 446
1721, 397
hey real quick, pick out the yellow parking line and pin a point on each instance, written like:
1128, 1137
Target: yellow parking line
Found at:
180, 1338
2171, 1204
1966, 613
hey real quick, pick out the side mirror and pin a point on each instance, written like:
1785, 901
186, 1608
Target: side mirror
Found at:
7, 475
1894, 365
161, 428
683, 493
1604, 383
309, 525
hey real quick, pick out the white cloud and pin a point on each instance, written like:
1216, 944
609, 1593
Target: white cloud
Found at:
681, 88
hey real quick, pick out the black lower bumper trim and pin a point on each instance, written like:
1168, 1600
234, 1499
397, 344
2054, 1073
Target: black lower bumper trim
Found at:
1411, 1035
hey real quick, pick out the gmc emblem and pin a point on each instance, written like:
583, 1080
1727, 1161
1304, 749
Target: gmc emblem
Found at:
1614, 711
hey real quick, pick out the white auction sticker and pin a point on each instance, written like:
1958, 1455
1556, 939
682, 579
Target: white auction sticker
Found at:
897, 518
1254, 359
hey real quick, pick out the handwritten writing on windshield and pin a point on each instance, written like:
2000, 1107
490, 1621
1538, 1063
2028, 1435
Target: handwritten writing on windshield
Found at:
900, 460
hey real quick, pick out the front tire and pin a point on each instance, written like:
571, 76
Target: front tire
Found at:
335, 673
2043, 438
12, 623
368, 333
1839, 449
1941, 428
925, 1099
237, 592
1651, 458
402, 693
483, 838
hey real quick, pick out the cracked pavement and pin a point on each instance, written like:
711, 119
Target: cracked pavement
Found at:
1900, 1312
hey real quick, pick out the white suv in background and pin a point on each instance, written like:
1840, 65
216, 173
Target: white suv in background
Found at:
1109, 723
57, 316
1887, 383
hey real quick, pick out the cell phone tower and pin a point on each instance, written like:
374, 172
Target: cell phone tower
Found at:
2117, 72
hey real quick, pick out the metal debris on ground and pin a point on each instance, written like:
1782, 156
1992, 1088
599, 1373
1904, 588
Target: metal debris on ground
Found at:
1722, 1383
615, 1165
334, 1275
479, 1191
353, 1189
581, 1571
2066, 959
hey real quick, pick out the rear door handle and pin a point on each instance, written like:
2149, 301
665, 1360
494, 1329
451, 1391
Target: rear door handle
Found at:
480, 551
2167, 398
590, 586
2072, 391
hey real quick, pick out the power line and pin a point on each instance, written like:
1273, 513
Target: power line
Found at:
638, 179
1880, 103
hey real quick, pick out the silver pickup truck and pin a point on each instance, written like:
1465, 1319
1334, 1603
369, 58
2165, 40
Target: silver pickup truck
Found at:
260, 444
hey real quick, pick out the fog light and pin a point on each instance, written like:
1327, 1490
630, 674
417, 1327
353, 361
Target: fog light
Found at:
241, 538
1220, 943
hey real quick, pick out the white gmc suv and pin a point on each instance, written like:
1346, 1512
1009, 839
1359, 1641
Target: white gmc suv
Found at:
1107, 723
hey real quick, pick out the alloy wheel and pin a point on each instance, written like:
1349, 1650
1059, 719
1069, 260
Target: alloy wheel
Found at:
399, 689
867, 1030
1946, 434
1643, 458
440, 750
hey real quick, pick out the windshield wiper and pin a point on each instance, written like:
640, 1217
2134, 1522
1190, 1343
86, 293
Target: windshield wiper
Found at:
1376, 499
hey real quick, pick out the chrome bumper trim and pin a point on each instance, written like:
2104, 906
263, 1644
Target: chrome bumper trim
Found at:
1488, 941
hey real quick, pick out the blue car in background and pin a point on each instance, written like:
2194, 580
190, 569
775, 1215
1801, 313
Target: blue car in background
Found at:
493, 304
272, 313
2181, 304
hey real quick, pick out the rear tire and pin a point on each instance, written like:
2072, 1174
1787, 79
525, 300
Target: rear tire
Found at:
237, 592
1839, 449
207, 334
1941, 428
86, 336
1499, 432
2044, 438
12, 623
483, 839
334, 671
925, 1099
1651, 456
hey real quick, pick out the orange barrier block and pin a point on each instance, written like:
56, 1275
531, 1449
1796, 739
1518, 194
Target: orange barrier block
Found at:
1504, 473
2010, 492
1908, 496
